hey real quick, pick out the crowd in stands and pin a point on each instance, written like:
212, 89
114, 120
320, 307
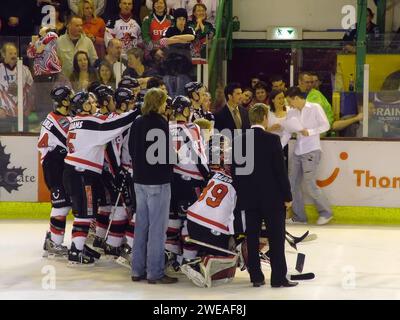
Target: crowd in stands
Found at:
76, 42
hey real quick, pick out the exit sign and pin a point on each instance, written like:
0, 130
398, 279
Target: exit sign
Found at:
284, 33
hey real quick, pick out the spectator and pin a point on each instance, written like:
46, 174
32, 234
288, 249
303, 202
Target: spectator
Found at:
97, 6
9, 89
93, 26
232, 116
278, 83
73, 41
277, 114
171, 5
315, 96
155, 24
256, 79
152, 183
204, 32
179, 36
306, 156
156, 82
124, 27
316, 83
351, 34
16, 18
261, 93
83, 74
209, 5
247, 98
113, 57
43, 8
136, 68
106, 74
47, 69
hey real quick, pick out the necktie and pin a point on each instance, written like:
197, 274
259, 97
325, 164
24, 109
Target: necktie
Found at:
236, 118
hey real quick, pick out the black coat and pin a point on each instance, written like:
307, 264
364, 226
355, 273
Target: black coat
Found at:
224, 119
267, 186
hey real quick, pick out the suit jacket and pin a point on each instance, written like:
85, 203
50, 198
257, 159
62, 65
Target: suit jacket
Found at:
224, 119
267, 186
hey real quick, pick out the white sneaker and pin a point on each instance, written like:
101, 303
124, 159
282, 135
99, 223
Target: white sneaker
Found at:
322, 220
292, 221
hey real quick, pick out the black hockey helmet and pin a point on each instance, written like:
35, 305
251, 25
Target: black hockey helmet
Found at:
58, 94
128, 82
93, 86
77, 102
192, 87
123, 95
179, 103
103, 93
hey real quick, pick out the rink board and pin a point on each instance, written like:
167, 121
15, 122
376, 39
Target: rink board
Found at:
347, 175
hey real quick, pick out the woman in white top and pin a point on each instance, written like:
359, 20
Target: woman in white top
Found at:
277, 114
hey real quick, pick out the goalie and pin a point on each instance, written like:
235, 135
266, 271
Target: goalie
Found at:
210, 221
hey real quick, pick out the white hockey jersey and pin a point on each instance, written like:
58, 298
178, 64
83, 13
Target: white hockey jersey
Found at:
189, 145
53, 133
89, 133
8, 88
215, 206
128, 31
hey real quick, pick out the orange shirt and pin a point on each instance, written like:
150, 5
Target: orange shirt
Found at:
95, 27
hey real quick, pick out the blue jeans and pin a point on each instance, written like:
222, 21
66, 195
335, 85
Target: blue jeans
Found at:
152, 213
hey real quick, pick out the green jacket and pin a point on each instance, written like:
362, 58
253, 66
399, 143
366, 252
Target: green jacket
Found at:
316, 96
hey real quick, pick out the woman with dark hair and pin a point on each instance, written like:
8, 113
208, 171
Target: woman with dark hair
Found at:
277, 114
260, 93
204, 31
155, 24
82, 74
106, 74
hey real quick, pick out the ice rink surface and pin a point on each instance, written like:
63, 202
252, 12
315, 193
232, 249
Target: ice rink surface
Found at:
350, 262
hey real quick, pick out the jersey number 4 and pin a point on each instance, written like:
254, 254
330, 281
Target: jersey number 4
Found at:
218, 193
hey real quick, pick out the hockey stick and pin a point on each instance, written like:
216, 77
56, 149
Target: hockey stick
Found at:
112, 213
200, 243
291, 242
303, 276
297, 239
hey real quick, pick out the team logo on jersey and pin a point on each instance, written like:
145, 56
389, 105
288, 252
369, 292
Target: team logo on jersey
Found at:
64, 123
9, 177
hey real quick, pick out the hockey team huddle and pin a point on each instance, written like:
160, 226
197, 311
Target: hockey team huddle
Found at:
84, 145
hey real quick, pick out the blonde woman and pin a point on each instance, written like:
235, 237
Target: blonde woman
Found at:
93, 26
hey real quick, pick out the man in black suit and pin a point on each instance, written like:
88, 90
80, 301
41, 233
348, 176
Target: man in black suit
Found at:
263, 193
232, 116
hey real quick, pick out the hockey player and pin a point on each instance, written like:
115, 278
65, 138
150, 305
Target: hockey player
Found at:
53, 149
210, 220
196, 93
190, 173
124, 100
131, 84
88, 133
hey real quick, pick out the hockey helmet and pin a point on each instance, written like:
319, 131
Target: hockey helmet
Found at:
78, 101
128, 82
59, 94
192, 87
123, 95
179, 103
103, 93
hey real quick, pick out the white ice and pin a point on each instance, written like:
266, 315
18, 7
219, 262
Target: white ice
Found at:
350, 262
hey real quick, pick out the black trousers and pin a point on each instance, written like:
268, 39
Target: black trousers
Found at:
275, 220
198, 232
